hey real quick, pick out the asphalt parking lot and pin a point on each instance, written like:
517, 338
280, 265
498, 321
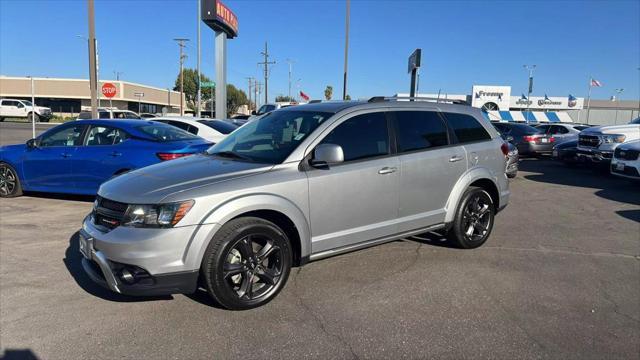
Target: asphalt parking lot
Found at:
559, 278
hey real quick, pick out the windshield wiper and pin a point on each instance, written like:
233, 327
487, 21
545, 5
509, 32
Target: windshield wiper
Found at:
233, 155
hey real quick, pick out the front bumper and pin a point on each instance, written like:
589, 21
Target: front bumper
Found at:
136, 261
594, 156
627, 169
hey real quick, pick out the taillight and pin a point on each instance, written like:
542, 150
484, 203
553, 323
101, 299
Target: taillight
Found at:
505, 149
171, 156
552, 139
530, 138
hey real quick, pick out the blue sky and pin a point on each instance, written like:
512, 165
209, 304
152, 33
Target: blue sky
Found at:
463, 43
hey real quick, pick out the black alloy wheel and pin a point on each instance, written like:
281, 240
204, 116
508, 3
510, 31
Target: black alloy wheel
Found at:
473, 221
9, 182
247, 263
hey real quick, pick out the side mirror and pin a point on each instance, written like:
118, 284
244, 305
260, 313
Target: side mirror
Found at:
32, 143
325, 154
254, 112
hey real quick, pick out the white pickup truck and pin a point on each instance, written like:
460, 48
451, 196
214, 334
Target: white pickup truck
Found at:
597, 144
12, 108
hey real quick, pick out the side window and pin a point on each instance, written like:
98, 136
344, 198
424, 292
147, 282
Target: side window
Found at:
102, 115
559, 130
466, 128
130, 115
100, 135
181, 125
18, 104
503, 129
361, 137
68, 136
417, 130
192, 129
544, 128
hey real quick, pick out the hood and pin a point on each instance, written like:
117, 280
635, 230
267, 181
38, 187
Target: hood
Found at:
150, 185
613, 129
15, 147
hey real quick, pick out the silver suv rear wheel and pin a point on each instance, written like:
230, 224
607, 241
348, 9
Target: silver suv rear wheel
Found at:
474, 219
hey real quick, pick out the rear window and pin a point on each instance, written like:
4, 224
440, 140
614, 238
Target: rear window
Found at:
466, 128
522, 129
580, 127
161, 132
220, 126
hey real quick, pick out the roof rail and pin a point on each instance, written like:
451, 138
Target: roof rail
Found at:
417, 98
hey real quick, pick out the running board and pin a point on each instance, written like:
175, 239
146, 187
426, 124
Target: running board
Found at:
374, 242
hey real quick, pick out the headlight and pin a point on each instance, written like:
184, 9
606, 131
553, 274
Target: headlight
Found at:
163, 215
609, 139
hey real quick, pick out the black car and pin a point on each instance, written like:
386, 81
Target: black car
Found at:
566, 152
529, 140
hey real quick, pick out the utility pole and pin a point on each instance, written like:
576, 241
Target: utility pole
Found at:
530, 68
266, 64
257, 89
93, 73
117, 74
199, 95
289, 61
249, 90
618, 92
346, 52
181, 44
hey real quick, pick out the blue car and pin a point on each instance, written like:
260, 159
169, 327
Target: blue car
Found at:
76, 157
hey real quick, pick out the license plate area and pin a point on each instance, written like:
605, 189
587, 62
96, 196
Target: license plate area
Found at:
86, 246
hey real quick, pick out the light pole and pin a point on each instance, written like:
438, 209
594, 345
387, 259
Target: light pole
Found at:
199, 95
33, 109
530, 68
289, 61
346, 50
618, 92
298, 89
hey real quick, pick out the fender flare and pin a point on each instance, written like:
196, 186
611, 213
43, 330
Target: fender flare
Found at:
472, 175
232, 208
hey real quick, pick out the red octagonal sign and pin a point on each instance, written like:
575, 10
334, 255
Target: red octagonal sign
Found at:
109, 90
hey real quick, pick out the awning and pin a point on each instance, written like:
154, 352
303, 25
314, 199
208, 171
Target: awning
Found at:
527, 116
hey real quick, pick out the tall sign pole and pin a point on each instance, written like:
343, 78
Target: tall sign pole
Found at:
530, 68
93, 74
414, 64
225, 24
346, 51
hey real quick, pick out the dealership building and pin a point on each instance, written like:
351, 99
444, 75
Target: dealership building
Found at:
500, 104
67, 97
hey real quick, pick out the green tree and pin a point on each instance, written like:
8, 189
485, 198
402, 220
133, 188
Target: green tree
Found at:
191, 87
348, 97
282, 98
328, 92
235, 98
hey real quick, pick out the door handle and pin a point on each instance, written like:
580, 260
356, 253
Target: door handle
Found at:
455, 158
65, 155
387, 170
115, 153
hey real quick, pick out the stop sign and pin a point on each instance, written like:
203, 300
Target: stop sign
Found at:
109, 90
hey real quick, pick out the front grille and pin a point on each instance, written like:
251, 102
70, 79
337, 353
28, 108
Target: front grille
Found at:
109, 213
626, 154
588, 140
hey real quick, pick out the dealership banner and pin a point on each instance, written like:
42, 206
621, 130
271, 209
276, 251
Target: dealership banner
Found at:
547, 103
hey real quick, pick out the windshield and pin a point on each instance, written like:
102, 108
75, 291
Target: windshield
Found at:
161, 132
26, 102
220, 126
265, 109
271, 138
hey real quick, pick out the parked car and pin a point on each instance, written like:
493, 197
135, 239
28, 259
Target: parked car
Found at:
106, 113
513, 158
267, 108
13, 108
210, 129
567, 152
240, 117
626, 160
298, 184
78, 156
148, 116
596, 144
529, 140
562, 132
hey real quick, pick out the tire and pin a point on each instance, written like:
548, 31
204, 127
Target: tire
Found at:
9, 182
236, 275
36, 117
474, 217
1, 119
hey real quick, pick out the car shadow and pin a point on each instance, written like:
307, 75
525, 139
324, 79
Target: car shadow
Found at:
607, 186
18, 354
57, 196
431, 238
73, 262
201, 296
630, 214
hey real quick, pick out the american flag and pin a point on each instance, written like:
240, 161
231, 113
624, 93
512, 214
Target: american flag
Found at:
596, 83
304, 96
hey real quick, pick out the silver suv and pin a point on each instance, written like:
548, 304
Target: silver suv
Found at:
296, 185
